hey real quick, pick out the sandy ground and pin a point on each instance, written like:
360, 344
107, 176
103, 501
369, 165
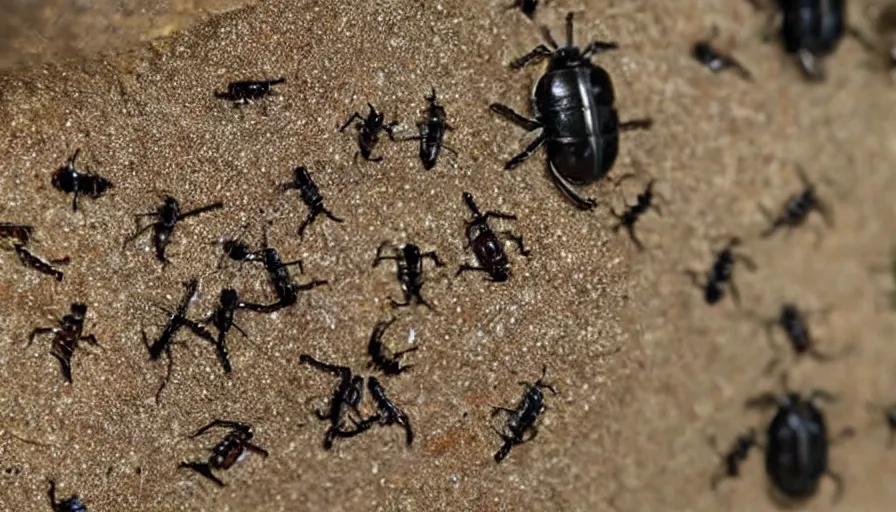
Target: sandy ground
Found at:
645, 370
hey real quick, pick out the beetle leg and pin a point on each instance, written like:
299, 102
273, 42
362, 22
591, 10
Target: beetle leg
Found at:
531, 148
811, 65
636, 124
735, 294
748, 262
838, 485
538, 54
564, 186
597, 47
824, 396
517, 240
204, 469
498, 215
350, 119
515, 118
695, 278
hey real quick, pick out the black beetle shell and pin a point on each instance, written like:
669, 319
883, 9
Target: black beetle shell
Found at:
815, 26
581, 124
797, 453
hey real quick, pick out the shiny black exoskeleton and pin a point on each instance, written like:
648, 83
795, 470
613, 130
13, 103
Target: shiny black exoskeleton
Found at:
714, 60
810, 30
380, 356
387, 412
487, 246
222, 318
302, 182
526, 6
573, 105
721, 275
71, 504
236, 249
796, 450
66, 337
176, 321
42, 265
369, 129
630, 216
432, 130
734, 457
797, 208
228, 452
72, 181
522, 419
409, 263
17, 233
167, 216
244, 92
347, 396
281, 280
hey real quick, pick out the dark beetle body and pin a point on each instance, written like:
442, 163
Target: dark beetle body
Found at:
67, 337
486, 245
225, 454
720, 277
369, 129
42, 265
387, 412
71, 504
409, 262
522, 419
282, 281
573, 105
70, 180
167, 215
245, 91
311, 196
432, 132
814, 26
796, 455
380, 356
346, 396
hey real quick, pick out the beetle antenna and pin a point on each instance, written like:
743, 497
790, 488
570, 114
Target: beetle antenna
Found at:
546, 34
569, 39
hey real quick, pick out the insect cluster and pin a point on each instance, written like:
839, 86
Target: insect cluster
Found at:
575, 117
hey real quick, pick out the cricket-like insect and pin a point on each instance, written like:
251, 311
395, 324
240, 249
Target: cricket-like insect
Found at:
66, 337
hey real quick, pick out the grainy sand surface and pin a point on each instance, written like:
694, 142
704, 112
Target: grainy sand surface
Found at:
645, 370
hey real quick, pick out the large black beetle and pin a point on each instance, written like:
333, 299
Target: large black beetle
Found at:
573, 105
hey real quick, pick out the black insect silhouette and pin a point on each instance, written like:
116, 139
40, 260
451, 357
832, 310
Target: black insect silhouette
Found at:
241, 93
301, 181
628, 218
70, 180
380, 356
167, 216
222, 318
177, 320
526, 6
409, 263
733, 458
66, 337
369, 129
281, 280
346, 398
236, 249
233, 448
721, 275
521, 420
794, 323
486, 244
797, 208
39, 263
714, 60
17, 233
387, 412
432, 130
71, 504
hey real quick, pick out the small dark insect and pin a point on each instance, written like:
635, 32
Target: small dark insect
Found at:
232, 449
281, 280
630, 216
797, 208
387, 412
347, 395
42, 265
792, 320
522, 419
486, 244
72, 181
432, 131
722, 274
796, 450
409, 263
381, 357
66, 337
241, 93
222, 319
71, 504
167, 216
809, 29
573, 105
302, 182
369, 129
18, 233
704, 53
526, 6
176, 321
732, 459
236, 249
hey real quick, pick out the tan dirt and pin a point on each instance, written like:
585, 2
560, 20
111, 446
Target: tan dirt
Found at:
646, 371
